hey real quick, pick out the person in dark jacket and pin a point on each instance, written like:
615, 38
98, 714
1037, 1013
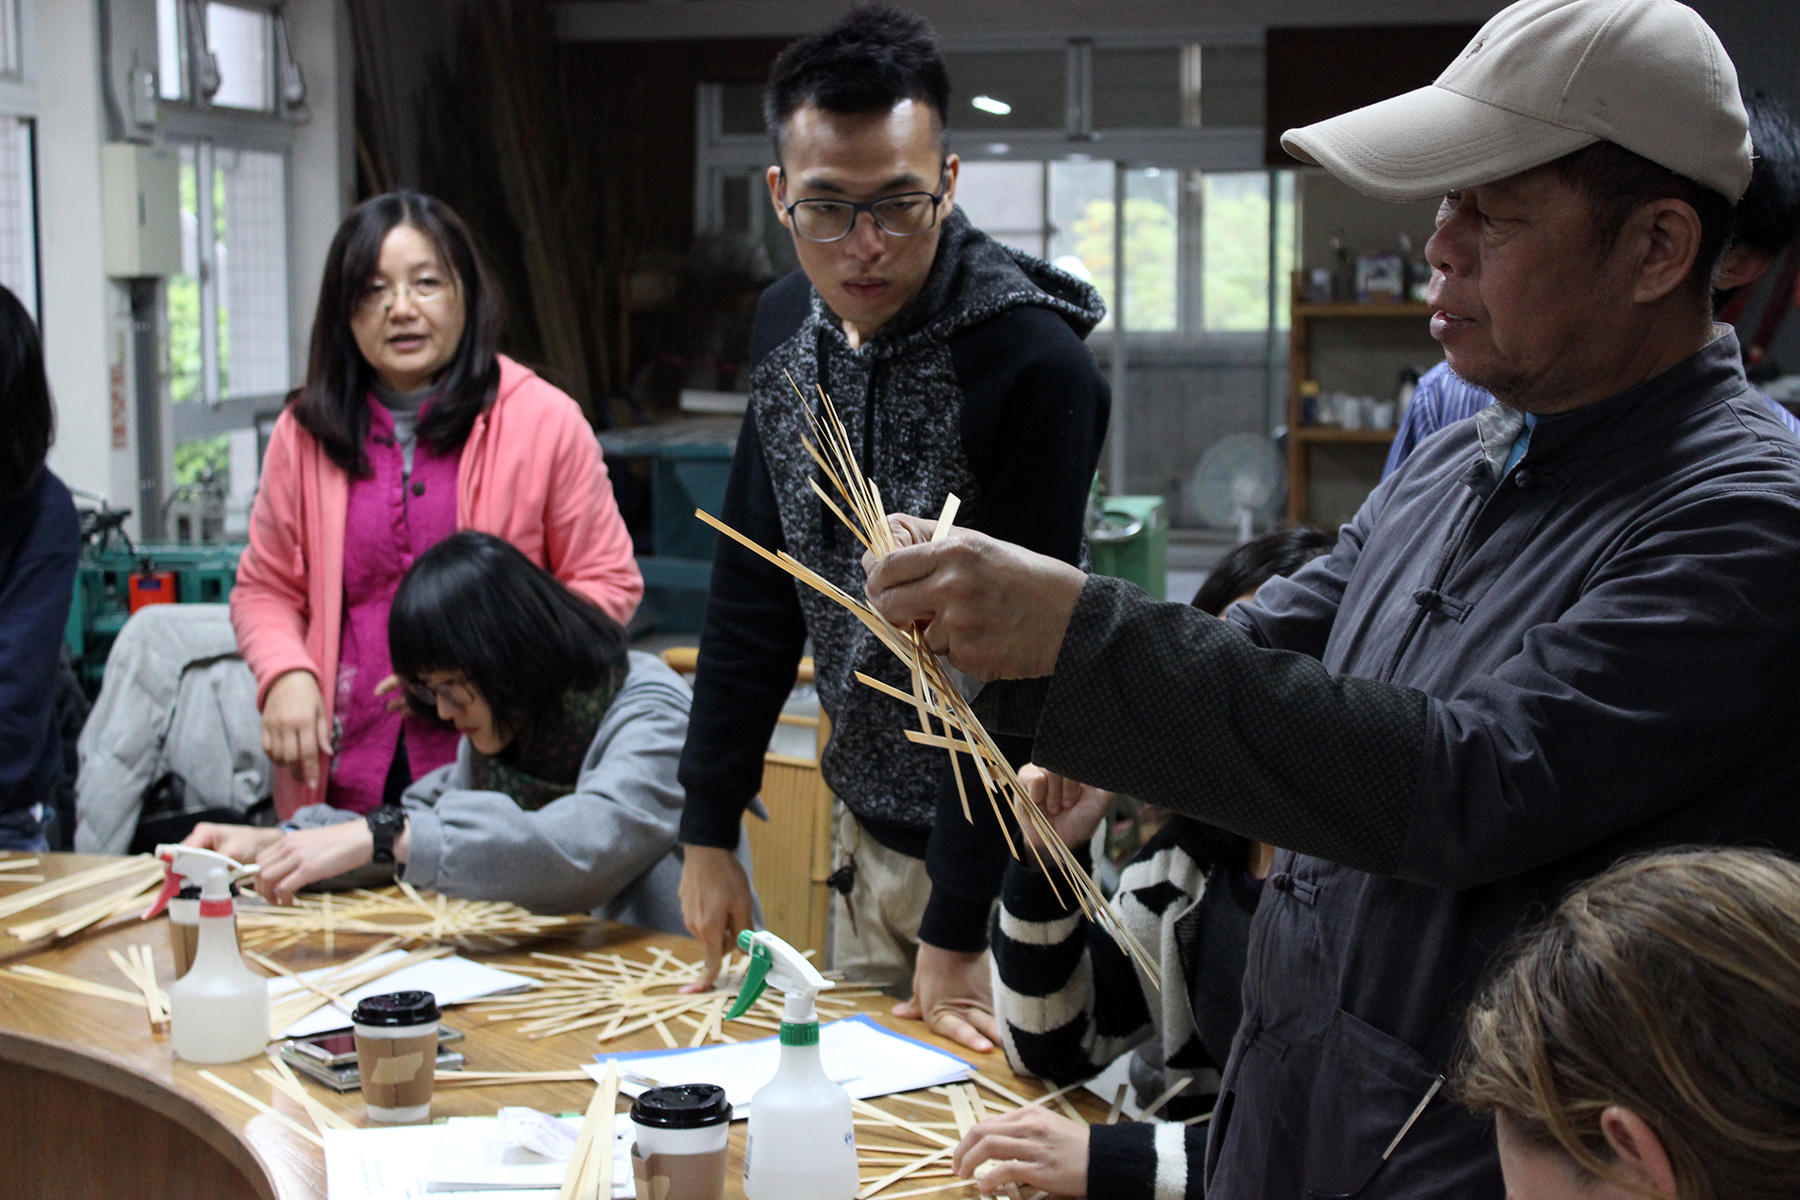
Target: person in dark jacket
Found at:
40, 546
957, 366
1070, 1002
1559, 634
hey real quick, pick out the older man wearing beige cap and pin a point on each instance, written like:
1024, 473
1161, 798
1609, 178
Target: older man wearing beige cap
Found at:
1558, 635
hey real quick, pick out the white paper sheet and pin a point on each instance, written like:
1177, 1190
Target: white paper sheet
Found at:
399, 1163
866, 1058
453, 980
1106, 1086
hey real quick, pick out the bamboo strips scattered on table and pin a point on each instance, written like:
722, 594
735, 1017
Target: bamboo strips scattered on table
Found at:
401, 911
618, 996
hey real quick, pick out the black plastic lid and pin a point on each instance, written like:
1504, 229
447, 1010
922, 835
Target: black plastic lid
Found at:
684, 1106
396, 1008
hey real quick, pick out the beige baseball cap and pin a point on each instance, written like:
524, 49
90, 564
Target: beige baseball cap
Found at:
1542, 79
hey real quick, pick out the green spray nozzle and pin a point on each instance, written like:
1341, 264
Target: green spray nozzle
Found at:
756, 978
773, 961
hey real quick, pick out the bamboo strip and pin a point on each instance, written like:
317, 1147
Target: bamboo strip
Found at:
142, 974
30, 898
1169, 1093
287, 1081
918, 1130
310, 1135
269, 964
70, 983
936, 1187
589, 1176
1118, 1104
291, 1009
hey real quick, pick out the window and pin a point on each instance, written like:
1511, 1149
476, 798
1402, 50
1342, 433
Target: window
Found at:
18, 211
1137, 89
1197, 244
215, 53
240, 40
1006, 199
171, 72
228, 309
1020, 89
11, 47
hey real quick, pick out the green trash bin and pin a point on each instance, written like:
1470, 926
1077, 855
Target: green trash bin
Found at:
1129, 539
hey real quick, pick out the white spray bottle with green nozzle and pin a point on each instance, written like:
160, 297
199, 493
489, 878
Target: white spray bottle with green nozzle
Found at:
802, 1141
219, 1010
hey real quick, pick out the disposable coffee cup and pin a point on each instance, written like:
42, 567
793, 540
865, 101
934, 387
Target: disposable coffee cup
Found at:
396, 1052
679, 1152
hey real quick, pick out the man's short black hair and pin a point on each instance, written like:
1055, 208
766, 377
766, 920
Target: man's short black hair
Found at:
1768, 217
1617, 182
871, 60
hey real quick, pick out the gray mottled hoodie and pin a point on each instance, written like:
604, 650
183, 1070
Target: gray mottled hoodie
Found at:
980, 386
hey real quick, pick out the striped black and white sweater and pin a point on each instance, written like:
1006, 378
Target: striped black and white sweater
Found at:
1070, 1002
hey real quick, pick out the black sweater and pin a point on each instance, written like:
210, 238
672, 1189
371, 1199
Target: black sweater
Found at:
40, 546
981, 386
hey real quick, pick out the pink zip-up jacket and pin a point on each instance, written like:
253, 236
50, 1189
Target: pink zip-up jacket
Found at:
531, 472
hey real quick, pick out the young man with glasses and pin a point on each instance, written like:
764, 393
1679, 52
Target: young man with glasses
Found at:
957, 366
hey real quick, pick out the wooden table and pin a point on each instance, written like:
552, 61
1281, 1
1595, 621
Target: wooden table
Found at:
93, 1105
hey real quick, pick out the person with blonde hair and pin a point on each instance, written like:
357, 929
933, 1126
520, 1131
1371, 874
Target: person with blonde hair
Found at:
1646, 1040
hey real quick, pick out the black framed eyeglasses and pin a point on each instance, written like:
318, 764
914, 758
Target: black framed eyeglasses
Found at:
907, 214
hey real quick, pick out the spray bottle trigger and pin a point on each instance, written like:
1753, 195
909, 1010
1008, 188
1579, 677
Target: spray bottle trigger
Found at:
755, 979
171, 885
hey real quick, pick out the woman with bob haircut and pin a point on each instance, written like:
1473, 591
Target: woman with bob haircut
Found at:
1646, 1041
40, 545
409, 427
562, 797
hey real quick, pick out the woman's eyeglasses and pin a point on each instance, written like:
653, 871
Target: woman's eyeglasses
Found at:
905, 215
456, 696
381, 295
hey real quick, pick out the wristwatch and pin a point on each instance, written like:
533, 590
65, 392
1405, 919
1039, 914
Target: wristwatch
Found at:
385, 824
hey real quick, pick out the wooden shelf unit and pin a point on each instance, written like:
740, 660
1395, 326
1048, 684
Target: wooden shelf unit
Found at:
1302, 437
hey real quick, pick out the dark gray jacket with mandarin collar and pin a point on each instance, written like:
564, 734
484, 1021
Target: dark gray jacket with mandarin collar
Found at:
1486, 692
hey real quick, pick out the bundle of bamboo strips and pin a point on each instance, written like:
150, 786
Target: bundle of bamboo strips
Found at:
622, 996
589, 1176
402, 911
133, 881
137, 965
934, 695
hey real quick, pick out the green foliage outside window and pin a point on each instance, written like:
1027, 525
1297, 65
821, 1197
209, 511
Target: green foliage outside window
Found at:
1150, 259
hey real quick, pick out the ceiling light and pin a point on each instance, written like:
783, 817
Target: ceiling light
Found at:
988, 104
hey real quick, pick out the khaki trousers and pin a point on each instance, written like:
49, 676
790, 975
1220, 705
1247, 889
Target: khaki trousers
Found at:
881, 944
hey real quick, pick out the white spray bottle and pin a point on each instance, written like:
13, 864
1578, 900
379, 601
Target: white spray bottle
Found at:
802, 1141
219, 1010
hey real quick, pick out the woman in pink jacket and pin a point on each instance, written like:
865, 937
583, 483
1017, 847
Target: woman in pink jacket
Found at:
410, 426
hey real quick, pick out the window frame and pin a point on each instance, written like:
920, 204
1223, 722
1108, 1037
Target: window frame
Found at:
181, 113
211, 413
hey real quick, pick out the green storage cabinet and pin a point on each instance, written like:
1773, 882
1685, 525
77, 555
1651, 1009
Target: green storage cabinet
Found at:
1130, 540
690, 462
205, 573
